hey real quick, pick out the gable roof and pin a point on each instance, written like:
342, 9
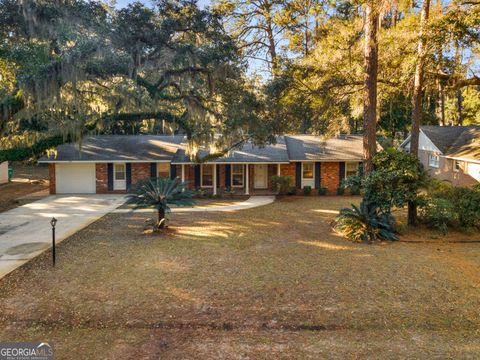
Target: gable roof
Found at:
173, 148
467, 145
443, 136
120, 148
314, 148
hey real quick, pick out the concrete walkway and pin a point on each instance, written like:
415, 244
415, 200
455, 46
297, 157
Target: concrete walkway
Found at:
25, 231
252, 202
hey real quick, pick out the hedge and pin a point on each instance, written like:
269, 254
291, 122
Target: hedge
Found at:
25, 153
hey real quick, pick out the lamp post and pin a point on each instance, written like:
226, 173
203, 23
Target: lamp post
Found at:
53, 222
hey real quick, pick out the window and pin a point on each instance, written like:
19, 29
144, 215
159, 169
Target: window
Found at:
433, 160
457, 165
207, 176
307, 171
351, 169
163, 170
119, 171
237, 175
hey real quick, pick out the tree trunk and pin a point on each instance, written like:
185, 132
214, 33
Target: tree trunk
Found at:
271, 45
370, 83
161, 218
417, 100
418, 81
460, 106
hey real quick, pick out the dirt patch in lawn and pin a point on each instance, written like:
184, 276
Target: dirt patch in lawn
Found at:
268, 282
11, 194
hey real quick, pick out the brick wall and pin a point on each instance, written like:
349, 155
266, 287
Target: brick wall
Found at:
140, 171
52, 179
330, 176
101, 178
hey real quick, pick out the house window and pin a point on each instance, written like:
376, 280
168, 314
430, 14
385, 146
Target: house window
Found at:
207, 176
307, 171
163, 170
433, 160
237, 175
119, 172
457, 165
351, 169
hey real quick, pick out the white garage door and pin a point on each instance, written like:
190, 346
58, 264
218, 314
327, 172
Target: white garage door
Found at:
75, 178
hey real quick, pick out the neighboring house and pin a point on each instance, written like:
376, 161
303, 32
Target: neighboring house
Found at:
113, 163
450, 153
3, 172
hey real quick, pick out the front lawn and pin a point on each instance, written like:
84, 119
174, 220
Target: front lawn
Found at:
269, 282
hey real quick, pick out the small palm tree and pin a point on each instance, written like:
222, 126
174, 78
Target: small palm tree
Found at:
364, 223
160, 193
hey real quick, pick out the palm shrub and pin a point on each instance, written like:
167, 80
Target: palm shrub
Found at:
282, 183
365, 223
160, 193
307, 190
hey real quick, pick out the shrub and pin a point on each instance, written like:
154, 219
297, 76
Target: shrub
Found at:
283, 183
438, 213
354, 190
466, 202
307, 190
449, 206
322, 191
354, 183
364, 223
340, 190
292, 190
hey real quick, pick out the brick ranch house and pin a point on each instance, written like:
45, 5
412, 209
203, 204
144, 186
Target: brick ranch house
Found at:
113, 163
450, 153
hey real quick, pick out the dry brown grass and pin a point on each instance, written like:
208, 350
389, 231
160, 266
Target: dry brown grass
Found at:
270, 282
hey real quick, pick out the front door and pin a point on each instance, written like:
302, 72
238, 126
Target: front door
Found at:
260, 174
119, 177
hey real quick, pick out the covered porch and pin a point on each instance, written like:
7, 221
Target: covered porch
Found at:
237, 178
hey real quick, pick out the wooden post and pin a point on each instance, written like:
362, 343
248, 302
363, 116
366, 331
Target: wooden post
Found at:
247, 182
214, 179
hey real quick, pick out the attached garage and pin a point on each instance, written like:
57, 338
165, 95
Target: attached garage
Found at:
75, 178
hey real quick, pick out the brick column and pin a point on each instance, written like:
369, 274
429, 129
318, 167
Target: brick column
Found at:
52, 183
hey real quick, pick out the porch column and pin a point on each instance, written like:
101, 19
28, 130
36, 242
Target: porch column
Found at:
278, 169
214, 179
183, 175
247, 182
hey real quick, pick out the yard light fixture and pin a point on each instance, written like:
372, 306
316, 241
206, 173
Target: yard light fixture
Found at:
53, 222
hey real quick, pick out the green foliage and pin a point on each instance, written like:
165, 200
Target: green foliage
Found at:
354, 183
364, 223
340, 190
439, 213
322, 191
450, 206
34, 151
292, 190
397, 179
307, 190
282, 183
160, 193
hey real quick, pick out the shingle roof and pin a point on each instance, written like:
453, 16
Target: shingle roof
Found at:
272, 153
443, 136
467, 145
173, 148
310, 147
120, 147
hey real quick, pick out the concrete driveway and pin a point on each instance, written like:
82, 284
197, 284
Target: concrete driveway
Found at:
25, 231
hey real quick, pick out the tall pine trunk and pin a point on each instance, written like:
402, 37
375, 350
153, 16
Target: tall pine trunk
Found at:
370, 83
417, 98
